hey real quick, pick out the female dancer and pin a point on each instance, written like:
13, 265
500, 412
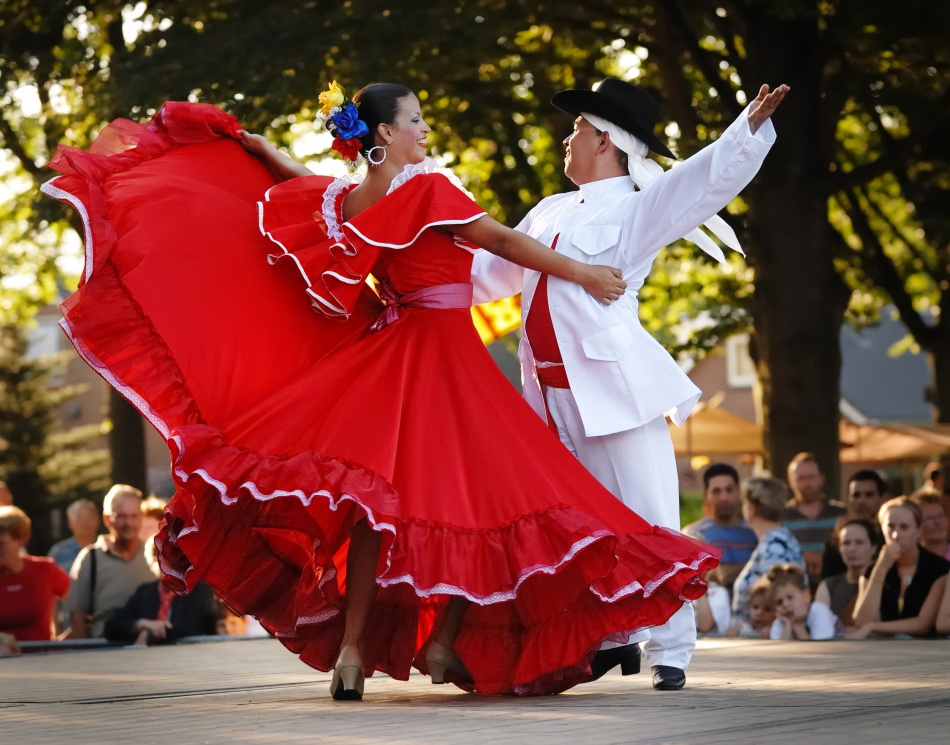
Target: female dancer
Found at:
373, 491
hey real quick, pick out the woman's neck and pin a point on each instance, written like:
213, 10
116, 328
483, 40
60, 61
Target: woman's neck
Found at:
13, 565
761, 527
855, 573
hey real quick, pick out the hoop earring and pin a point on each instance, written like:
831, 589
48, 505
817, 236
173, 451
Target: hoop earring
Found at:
369, 155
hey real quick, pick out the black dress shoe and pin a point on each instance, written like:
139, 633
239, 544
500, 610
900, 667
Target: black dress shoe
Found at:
628, 657
666, 678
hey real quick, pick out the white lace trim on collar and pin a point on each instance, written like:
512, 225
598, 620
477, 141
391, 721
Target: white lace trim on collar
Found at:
428, 165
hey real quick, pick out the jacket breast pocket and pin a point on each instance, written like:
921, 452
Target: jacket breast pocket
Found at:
595, 239
608, 345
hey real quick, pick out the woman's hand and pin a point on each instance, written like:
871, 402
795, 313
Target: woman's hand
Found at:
603, 283
889, 555
256, 145
860, 632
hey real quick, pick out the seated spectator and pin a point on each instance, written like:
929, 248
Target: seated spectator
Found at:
29, 585
153, 512
83, 519
858, 542
809, 514
934, 523
231, 624
903, 591
723, 526
8, 645
763, 502
713, 614
156, 615
933, 477
866, 493
761, 614
105, 574
797, 615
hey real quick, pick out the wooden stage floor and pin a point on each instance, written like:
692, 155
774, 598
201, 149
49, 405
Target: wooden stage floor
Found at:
253, 691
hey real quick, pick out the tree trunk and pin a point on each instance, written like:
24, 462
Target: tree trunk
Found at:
939, 357
799, 299
127, 443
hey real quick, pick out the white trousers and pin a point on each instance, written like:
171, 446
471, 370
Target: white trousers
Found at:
639, 468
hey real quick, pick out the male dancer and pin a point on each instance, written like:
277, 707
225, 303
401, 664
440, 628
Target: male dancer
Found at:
590, 369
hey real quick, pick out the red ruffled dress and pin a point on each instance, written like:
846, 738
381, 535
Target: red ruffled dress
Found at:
286, 426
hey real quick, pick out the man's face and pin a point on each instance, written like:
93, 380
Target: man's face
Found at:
579, 147
722, 497
806, 480
6, 496
864, 499
125, 520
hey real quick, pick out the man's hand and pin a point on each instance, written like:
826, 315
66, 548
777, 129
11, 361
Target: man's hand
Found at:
158, 629
764, 105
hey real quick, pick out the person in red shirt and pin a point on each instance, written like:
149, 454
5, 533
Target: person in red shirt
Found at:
29, 585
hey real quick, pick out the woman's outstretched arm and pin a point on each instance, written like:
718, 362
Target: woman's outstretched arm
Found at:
282, 167
604, 283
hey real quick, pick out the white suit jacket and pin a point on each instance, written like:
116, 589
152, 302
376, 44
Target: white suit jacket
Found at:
620, 376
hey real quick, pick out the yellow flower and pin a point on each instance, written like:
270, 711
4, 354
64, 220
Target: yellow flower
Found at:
331, 98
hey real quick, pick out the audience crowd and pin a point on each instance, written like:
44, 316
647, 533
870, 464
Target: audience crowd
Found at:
102, 583
795, 565
819, 569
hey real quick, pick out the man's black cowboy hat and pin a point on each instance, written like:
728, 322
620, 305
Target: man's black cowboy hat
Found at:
621, 103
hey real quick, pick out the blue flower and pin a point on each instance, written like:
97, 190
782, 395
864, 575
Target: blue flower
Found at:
347, 124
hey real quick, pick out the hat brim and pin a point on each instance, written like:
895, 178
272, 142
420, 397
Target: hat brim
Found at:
577, 102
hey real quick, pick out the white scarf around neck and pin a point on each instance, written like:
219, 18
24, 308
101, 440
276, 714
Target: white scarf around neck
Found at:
644, 172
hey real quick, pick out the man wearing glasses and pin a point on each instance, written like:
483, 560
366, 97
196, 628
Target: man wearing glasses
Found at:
106, 573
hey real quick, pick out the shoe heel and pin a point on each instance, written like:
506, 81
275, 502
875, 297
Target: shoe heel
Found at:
347, 684
630, 666
437, 671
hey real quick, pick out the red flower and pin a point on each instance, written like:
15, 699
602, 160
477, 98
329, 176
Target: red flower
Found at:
349, 149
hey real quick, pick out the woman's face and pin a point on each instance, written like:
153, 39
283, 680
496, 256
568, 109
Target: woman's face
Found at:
792, 602
408, 132
900, 527
933, 528
857, 551
10, 548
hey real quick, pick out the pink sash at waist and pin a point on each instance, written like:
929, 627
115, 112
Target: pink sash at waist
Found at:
458, 295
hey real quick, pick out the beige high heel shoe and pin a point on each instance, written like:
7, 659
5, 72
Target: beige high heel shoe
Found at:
348, 676
441, 659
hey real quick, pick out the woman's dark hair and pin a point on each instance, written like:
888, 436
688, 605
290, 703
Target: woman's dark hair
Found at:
378, 104
873, 530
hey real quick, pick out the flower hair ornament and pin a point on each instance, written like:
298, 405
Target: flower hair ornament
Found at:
343, 122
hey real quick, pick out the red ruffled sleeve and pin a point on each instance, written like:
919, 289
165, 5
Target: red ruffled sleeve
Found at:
299, 216
426, 200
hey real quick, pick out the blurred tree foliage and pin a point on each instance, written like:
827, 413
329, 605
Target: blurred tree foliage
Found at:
850, 208
45, 466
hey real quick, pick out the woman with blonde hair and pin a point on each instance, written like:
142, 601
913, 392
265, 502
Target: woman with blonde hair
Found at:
903, 591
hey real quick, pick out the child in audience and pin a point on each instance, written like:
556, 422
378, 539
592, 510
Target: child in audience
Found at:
798, 617
761, 613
